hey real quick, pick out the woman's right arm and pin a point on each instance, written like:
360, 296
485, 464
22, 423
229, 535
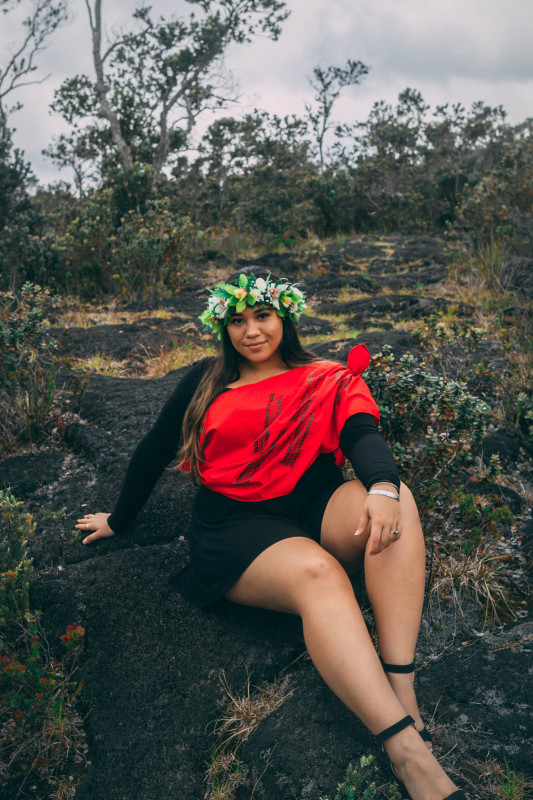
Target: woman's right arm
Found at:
153, 453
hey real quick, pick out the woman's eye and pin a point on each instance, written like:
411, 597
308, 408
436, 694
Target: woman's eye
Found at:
235, 321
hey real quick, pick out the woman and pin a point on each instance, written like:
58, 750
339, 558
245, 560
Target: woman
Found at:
264, 428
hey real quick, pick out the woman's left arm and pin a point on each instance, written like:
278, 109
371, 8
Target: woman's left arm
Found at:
374, 465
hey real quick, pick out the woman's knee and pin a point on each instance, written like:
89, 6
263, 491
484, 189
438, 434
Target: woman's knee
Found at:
321, 568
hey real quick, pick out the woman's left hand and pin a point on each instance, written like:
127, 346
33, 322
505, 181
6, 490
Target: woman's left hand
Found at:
383, 515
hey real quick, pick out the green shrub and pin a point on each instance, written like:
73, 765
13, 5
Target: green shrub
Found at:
37, 718
143, 254
79, 246
483, 520
432, 424
499, 200
151, 251
435, 427
27, 380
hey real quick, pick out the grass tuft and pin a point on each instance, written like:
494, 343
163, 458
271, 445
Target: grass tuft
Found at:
480, 576
500, 782
241, 715
180, 355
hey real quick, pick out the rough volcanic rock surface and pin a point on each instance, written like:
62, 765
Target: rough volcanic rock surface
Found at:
466, 695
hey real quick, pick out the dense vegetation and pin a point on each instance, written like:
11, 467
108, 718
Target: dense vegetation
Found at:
258, 182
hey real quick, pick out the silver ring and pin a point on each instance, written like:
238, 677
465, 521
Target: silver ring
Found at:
395, 533
87, 525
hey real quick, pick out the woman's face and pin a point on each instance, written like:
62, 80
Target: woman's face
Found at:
256, 333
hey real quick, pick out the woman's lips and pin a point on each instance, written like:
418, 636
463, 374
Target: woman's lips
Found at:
255, 345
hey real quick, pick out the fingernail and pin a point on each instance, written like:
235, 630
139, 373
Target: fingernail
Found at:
84, 541
358, 533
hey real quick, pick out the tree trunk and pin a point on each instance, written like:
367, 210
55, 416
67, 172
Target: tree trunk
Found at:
123, 149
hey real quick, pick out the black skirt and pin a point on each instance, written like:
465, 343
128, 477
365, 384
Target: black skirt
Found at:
227, 535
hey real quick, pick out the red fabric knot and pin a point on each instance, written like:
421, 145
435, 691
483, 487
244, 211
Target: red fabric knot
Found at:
358, 359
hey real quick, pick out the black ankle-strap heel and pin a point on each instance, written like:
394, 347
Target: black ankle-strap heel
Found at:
405, 669
392, 730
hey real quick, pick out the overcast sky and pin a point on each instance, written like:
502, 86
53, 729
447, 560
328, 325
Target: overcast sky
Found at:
450, 50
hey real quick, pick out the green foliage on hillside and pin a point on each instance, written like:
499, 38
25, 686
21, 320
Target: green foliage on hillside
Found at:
26, 386
265, 180
40, 728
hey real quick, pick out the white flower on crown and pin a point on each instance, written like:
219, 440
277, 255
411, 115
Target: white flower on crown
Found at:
275, 291
260, 284
221, 307
256, 294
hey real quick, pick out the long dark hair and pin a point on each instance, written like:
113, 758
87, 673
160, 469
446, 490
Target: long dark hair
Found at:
225, 369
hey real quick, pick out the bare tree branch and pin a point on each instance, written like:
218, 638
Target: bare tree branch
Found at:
45, 18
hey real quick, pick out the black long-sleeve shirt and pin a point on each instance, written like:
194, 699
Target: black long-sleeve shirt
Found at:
360, 441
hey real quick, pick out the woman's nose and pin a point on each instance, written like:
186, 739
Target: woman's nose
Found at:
252, 328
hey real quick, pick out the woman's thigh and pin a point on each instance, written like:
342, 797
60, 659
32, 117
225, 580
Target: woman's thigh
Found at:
286, 574
339, 524
341, 519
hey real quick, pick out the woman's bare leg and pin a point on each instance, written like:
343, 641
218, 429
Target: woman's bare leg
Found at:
298, 576
394, 579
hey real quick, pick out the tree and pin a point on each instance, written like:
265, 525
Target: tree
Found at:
19, 221
327, 84
152, 83
253, 174
79, 152
44, 18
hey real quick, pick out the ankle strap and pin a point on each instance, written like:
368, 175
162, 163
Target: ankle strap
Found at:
401, 668
394, 729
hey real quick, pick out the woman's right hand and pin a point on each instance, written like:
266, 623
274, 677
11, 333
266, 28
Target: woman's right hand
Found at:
97, 524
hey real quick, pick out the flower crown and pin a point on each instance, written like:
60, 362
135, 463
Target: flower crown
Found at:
227, 300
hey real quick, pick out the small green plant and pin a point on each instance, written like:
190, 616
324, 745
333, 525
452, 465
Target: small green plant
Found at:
313, 253
39, 725
524, 416
503, 783
435, 428
443, 338
360, 783
225, 775
483, 519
